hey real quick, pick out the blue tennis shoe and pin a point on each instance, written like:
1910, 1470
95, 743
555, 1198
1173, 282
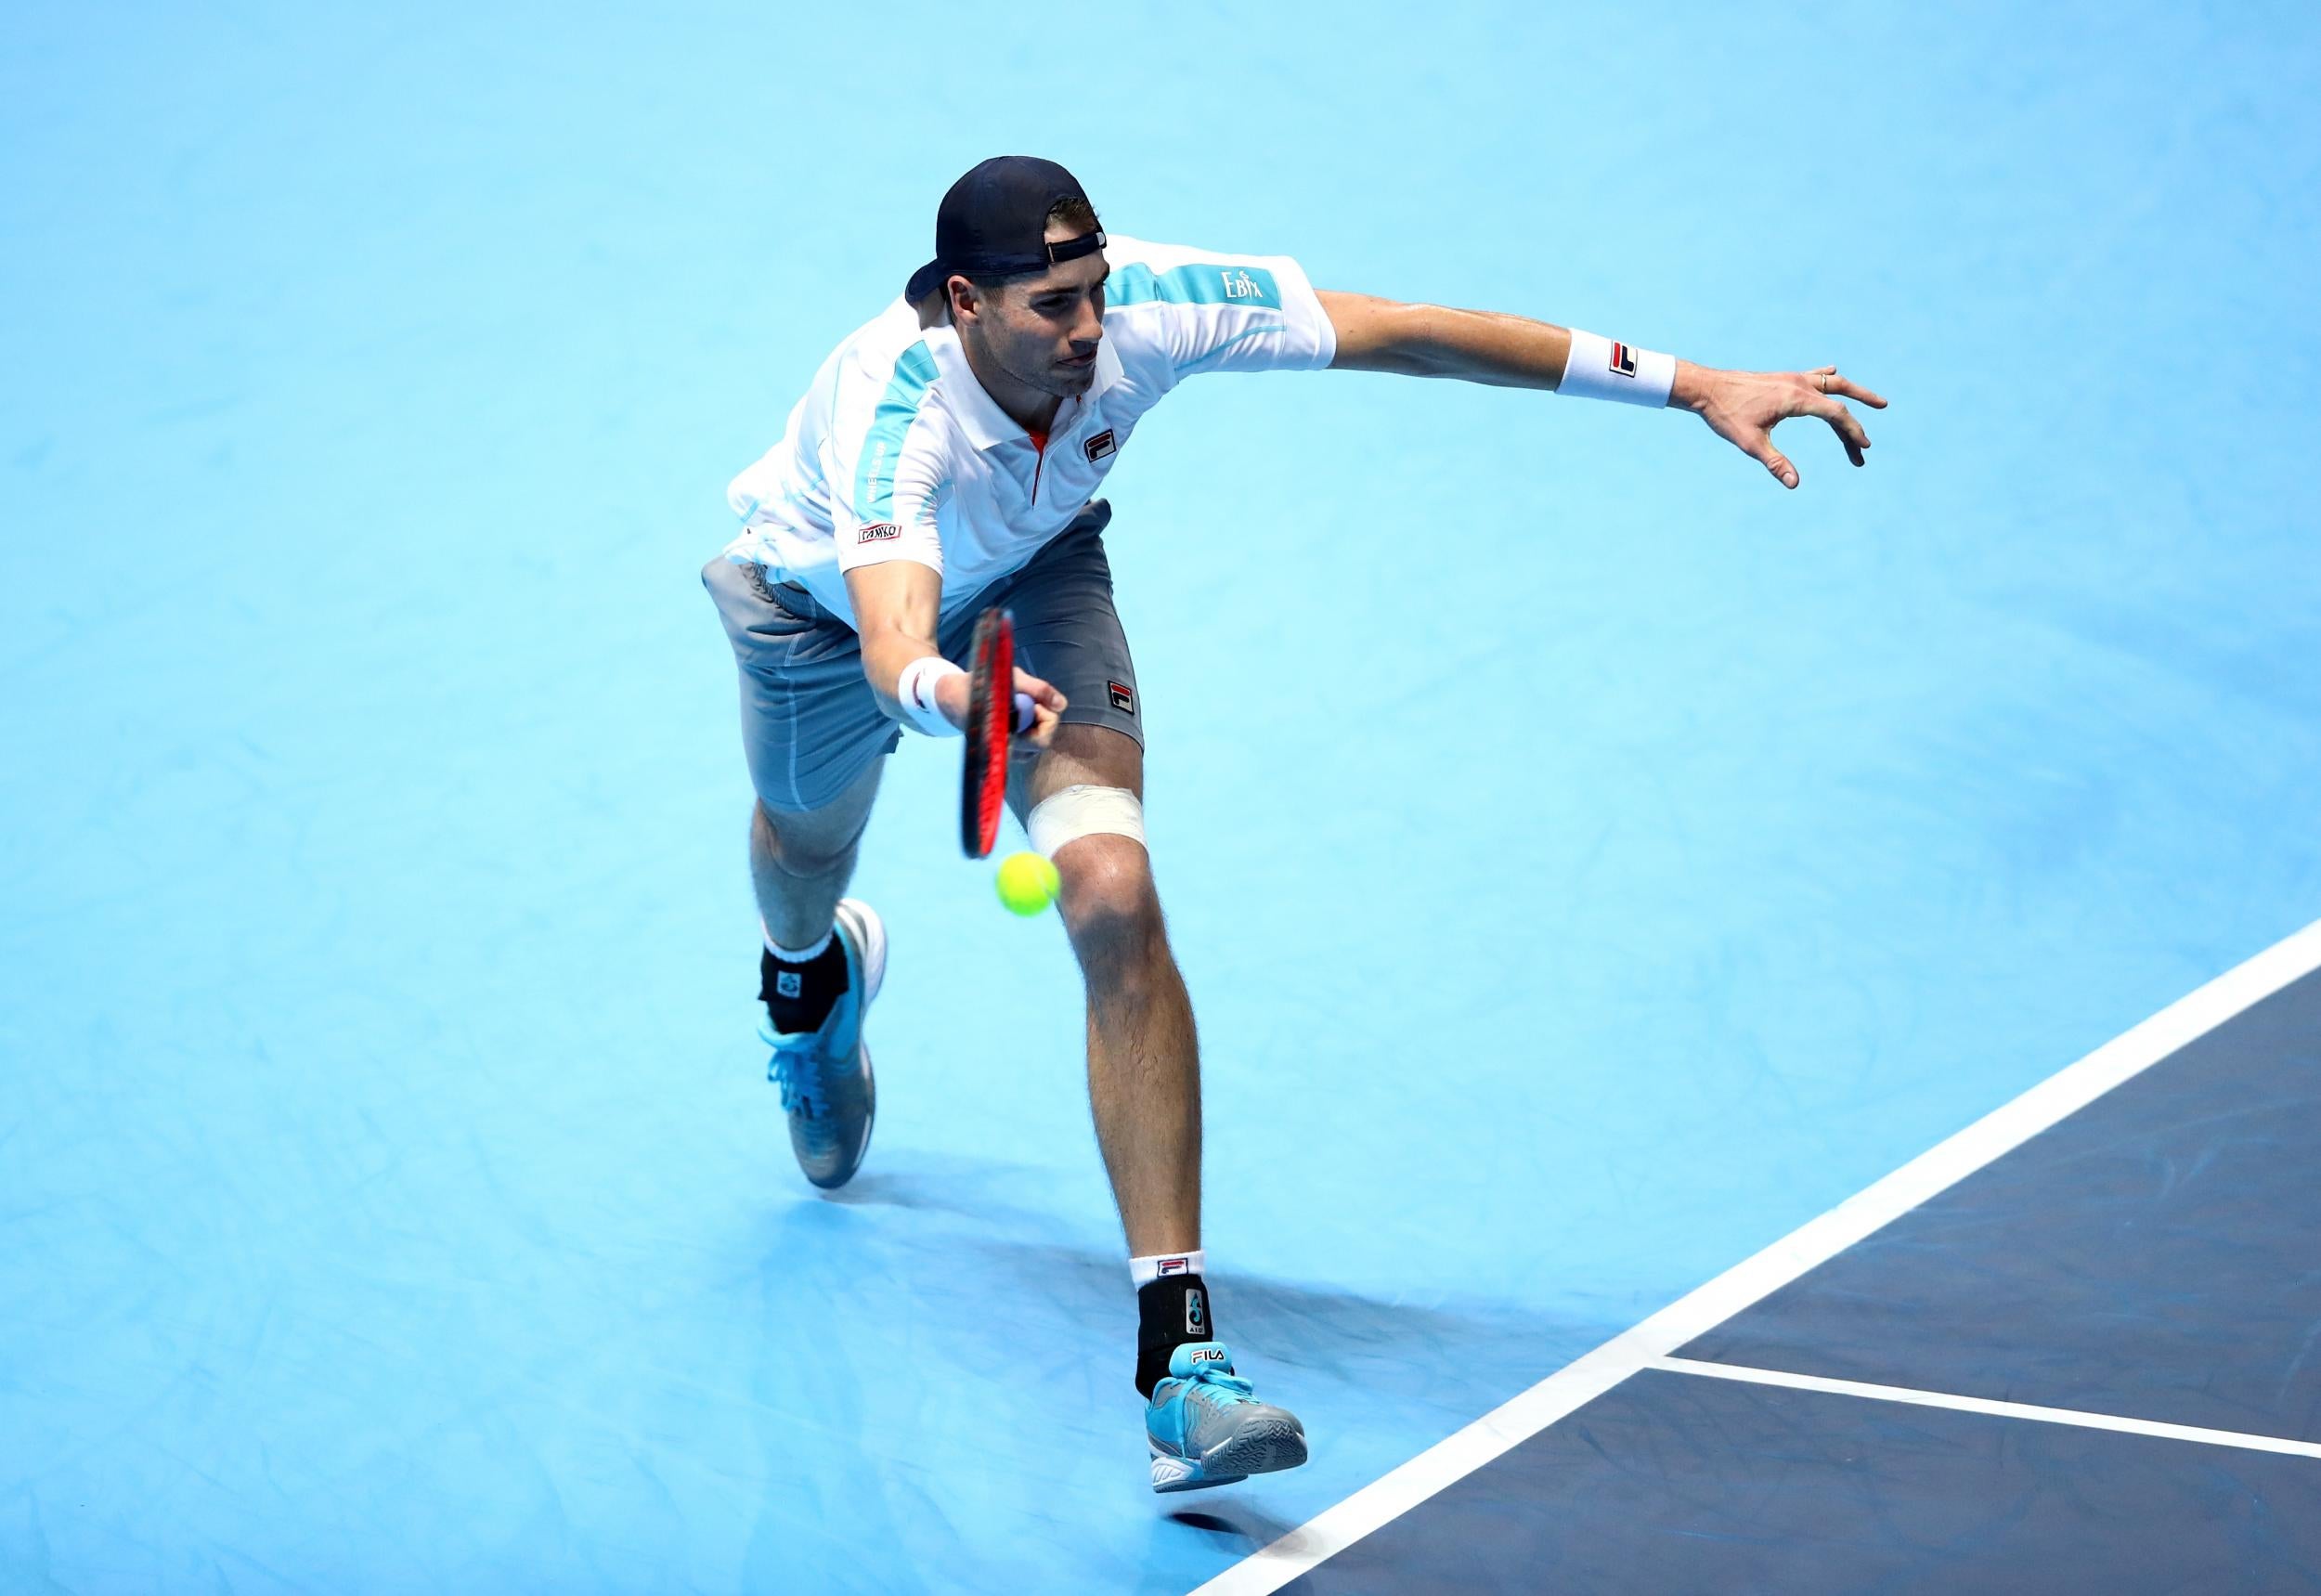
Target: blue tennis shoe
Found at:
825, 1074
1206, 1428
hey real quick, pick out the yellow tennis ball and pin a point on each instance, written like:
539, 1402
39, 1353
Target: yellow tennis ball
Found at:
1027, 883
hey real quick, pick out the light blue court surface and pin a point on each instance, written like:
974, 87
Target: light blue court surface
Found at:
1591, 863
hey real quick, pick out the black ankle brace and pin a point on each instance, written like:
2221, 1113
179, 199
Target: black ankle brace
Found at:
798, 997
1169, 1314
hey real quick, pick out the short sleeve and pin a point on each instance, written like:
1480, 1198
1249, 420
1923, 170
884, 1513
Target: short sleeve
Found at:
889, 485
1213, 312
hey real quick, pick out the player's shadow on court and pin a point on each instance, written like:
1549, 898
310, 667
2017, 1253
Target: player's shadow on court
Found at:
887, 1189
1314, 1329
1227, 1523
1238, 1525
963, 1218
933, 1238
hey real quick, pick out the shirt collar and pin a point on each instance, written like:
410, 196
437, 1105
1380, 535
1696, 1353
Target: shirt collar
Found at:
980, 418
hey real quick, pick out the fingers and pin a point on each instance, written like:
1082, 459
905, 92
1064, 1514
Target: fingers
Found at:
1039, 710
1034, 723
1760, 450
1041, 693
1749, 405
1829, 382
1844, 422
1824, 381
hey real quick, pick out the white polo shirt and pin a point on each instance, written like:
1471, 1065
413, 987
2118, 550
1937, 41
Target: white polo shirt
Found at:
897, 453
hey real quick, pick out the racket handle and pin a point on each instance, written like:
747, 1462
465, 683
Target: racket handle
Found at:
1024, 713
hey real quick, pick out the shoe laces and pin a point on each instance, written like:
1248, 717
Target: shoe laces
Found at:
798, 1070
1213, 1382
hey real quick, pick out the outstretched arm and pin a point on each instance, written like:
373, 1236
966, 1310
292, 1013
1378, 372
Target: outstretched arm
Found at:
1515, 352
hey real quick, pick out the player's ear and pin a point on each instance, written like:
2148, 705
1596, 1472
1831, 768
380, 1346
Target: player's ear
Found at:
963, 297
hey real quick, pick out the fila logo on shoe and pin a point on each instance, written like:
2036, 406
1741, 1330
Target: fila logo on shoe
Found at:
1209, 1355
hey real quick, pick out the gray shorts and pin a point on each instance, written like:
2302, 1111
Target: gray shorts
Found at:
810, 724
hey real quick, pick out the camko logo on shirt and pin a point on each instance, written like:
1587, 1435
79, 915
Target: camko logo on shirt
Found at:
1623, 361
878, 532
1104, 442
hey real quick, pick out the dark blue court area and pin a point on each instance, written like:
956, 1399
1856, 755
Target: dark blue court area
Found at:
2152, 1257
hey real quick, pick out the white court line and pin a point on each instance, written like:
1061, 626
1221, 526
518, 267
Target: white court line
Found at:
1927, 1176
2076, 1416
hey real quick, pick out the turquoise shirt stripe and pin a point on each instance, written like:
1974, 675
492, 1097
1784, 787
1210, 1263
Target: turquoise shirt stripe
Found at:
1201, 283
882, 446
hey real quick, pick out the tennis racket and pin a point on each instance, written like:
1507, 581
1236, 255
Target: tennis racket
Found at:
995, 712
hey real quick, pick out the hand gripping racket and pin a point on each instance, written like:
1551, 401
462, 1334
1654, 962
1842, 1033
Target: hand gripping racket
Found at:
995, 711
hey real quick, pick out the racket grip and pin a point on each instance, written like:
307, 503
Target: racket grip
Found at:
1024, 713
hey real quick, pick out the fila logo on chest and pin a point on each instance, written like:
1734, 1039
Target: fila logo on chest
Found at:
1103, 443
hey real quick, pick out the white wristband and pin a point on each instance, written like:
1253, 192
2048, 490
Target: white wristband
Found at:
915, 689
1601, 368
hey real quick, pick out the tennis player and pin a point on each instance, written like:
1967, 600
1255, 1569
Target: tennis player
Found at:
947, 457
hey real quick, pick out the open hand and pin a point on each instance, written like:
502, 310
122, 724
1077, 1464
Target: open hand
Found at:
1743, 407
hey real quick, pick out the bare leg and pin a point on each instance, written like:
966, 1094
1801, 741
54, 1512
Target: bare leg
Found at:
1144, 1057
801, 864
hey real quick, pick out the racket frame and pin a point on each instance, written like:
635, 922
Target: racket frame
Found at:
990, 718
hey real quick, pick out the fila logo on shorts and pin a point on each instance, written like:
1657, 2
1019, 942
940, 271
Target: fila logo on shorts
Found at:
1125, 702
1623, 361
1101, 445
878, 532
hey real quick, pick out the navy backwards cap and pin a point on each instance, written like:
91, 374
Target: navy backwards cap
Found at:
993, 223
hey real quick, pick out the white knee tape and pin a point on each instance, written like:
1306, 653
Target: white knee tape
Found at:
1084, 811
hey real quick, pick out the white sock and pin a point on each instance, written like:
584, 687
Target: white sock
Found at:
794, 955
1143, 1271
